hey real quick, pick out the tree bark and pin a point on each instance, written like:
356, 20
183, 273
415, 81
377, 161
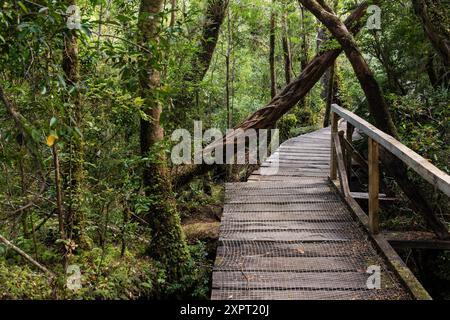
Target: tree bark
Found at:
183, 101
273, 78
435, 21
228, 69
286, 50
330, 94
214, 17
75, 175
168, 244
173, 16
434, 17
304, 48
305, 44
378, 109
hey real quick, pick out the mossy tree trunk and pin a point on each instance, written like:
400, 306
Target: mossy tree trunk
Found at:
74, 172
167, 244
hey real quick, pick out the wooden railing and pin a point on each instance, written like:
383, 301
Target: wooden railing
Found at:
342, 153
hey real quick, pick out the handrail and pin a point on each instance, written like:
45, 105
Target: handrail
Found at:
420, 165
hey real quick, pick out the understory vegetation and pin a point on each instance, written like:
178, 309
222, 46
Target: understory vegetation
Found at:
88, 106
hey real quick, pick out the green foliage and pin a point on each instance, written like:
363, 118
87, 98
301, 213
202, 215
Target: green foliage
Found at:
286, 124
114, 207
21, 282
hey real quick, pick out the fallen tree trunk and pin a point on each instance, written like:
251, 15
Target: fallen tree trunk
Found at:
379, 110
285, 100
27, 257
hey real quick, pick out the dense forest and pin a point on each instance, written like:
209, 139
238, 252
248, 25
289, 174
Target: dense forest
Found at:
92, 91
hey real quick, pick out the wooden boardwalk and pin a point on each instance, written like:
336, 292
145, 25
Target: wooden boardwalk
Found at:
290, 236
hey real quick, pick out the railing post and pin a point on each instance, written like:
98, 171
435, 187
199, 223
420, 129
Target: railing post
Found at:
348, 154
333, 159
374, 186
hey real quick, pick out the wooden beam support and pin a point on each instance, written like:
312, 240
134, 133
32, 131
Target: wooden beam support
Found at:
374, 187
343, 180
334, 130
348, 154
365, 196
415, 240
355, 155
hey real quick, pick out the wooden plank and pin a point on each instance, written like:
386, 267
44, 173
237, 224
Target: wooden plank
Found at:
365, 196
324, 166
303, 183
288, 235
292, 170
285, 280
279, 198
291, 215
285, 225
268, 263
354, 248
374, 186
278, 192
299, 206
307, 294
423, 167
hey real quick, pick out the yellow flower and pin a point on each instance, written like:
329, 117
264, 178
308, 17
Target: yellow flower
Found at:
51, 140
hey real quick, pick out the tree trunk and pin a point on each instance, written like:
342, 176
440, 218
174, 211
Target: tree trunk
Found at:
228, 70
286, 50
75, 175
304, 48
214, 17
330, 94
168, 244
378, 109
434, 17
305, 44
273, 79
183, 101
431, 72
173, 14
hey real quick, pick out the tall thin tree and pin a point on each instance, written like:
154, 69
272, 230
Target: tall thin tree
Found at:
168, 243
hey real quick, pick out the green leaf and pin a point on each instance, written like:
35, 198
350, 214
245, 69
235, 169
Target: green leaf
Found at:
138, 102
78, 131
53, 121
25, 9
